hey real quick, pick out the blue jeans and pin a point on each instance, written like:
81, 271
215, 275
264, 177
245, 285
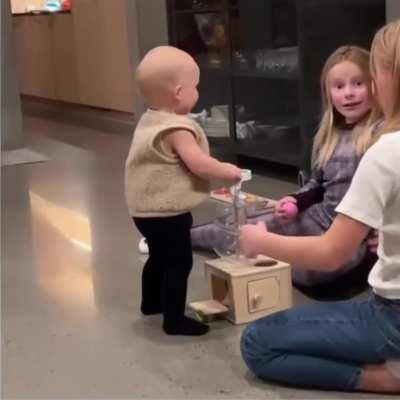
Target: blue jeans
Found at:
323, 345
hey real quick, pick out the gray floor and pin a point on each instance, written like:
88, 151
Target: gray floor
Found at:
70, 286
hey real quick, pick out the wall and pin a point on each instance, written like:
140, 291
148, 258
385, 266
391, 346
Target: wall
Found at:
11, 121
392, 10
156, 33
144, 35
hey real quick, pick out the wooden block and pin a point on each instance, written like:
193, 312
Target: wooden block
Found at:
208, 307
208, 310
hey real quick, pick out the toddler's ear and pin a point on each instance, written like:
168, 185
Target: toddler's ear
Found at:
178, 91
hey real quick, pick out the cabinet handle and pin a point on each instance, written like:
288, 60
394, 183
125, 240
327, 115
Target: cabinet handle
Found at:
256, 300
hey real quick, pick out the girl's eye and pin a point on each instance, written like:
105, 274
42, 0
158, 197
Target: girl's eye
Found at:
339, 86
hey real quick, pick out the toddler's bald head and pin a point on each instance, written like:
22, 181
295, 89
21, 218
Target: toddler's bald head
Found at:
161, 70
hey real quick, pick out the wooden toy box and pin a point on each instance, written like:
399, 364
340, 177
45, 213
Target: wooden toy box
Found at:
244, 290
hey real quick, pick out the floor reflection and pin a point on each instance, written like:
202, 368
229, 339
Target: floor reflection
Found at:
63, 251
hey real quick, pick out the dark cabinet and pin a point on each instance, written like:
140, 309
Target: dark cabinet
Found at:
260, 64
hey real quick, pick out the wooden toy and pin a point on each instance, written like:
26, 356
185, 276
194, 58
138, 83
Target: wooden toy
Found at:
243, 290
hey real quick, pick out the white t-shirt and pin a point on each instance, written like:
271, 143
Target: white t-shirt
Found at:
374, 199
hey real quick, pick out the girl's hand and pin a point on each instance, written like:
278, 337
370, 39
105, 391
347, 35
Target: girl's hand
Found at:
251, 237
282, 212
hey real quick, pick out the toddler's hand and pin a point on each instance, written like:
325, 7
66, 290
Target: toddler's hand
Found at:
234, 173
287, 212
250, 238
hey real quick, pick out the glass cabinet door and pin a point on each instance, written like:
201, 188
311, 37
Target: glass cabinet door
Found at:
265, 70
198, 5
201, 30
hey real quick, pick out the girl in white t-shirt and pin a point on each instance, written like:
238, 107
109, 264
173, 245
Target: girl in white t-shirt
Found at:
349, 345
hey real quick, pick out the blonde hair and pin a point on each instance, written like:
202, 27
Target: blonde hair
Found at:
328, 133
385, 54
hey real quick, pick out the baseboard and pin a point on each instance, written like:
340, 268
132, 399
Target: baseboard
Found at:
80, 115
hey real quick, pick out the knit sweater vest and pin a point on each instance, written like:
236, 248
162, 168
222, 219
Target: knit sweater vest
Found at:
157, 182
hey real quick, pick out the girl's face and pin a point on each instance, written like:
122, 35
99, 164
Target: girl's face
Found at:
349, 91
384, 89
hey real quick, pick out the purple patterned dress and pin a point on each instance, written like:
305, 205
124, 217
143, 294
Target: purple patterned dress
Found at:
333, 182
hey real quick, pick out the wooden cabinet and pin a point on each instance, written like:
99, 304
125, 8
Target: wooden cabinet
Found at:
34, 56
105, 74
80, 57
90, 57
118, 75
64, 59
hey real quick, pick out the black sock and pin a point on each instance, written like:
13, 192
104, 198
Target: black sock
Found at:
187, 327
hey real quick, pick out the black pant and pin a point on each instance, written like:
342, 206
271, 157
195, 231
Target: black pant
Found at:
165, 274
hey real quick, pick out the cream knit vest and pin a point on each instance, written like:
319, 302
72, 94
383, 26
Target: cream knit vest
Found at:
157, 182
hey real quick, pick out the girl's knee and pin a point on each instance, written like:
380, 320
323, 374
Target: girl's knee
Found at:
255, 345
249, 347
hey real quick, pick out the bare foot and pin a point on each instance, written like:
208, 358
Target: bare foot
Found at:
377, 378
